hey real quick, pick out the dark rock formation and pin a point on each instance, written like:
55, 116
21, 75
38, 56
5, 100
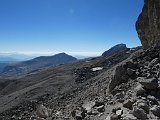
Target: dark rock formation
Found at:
148, 24
115, 49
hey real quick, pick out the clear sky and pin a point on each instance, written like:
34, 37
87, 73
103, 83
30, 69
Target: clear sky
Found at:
83, 27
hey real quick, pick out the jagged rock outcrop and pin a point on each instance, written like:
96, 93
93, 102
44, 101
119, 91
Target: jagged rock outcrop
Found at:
148, 24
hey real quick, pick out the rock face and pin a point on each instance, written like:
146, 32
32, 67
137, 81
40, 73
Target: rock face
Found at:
115, 49
148, 24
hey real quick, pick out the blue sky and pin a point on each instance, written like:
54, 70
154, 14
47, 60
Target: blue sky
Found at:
82, 27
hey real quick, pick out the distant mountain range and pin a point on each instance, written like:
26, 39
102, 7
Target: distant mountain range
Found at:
4, 61
7, 60
15, 57
22, 68
115, 49
2, 66
13, 64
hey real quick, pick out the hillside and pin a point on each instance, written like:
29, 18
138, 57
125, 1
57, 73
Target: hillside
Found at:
60, 88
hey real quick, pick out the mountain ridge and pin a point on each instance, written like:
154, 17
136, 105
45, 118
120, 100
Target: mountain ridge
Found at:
25, 67
115, 49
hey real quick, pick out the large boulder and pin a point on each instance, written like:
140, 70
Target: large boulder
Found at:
119, 76
139, 113
149, 84
148, 24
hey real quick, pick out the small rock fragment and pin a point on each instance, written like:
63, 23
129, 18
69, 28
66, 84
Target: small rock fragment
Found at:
139, 90
153, 62
152, 100
139, 113
79, 113
155, 110
101, 108
131, 72
144, 106
119, 113
128, 104
112, 116
99, 103
129, 117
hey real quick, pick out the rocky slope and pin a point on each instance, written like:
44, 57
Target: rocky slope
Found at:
132, 92
60, 89
127, 91
125, 88
115, 49
23, 68
148, 24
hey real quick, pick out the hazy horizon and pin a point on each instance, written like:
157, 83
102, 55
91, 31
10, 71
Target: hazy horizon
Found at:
28, 56
52, 53
76, 27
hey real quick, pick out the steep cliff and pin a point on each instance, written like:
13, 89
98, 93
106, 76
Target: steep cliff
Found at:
148, 24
